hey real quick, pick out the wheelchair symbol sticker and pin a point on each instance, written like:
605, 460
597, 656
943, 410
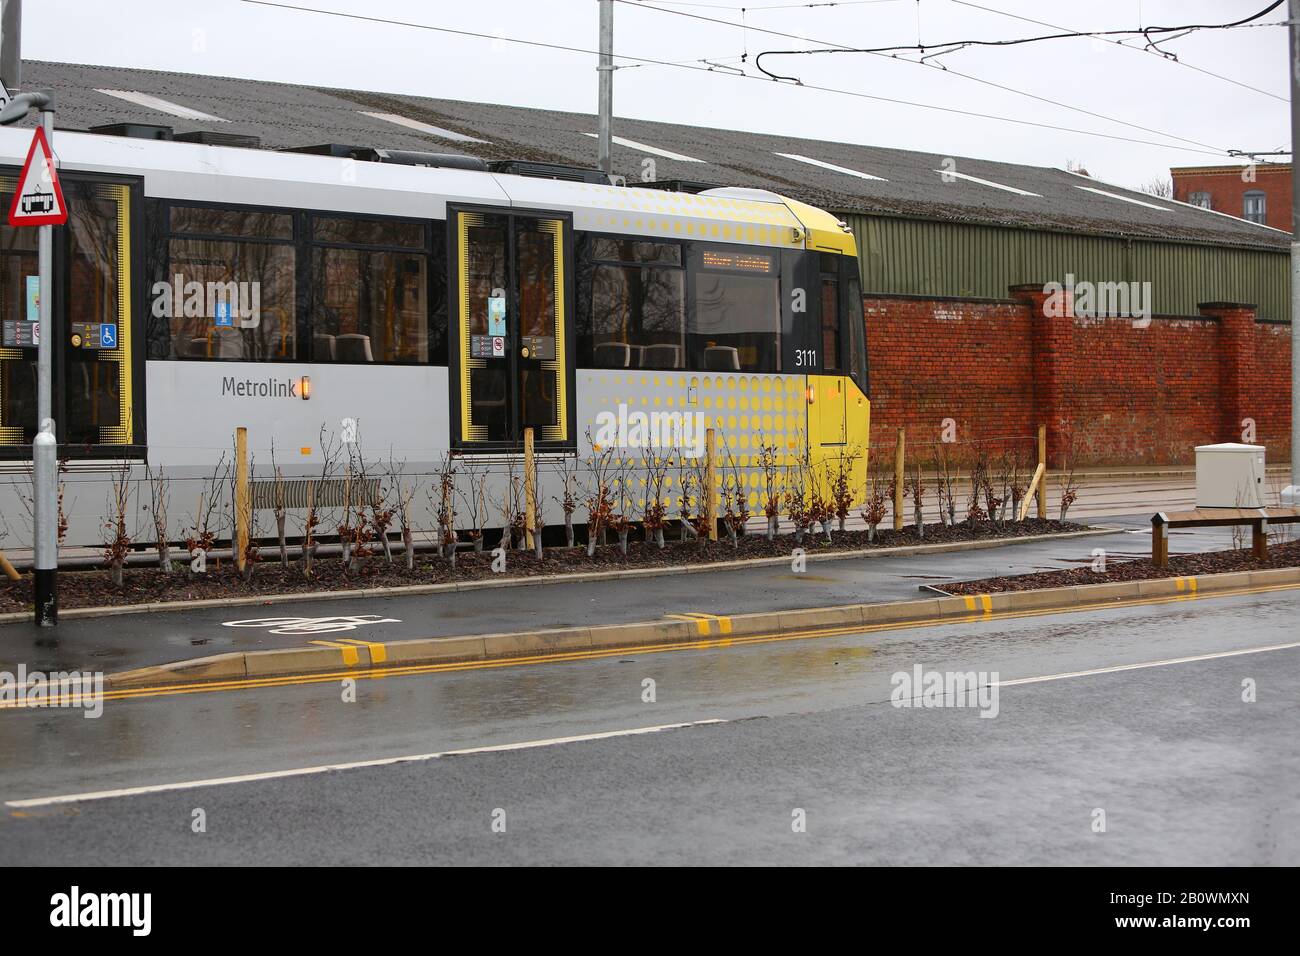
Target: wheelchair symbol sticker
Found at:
107, 336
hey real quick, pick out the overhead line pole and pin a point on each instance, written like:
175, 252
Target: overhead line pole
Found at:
606, 95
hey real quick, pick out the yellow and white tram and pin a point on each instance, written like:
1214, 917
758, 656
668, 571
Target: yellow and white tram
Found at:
433, 304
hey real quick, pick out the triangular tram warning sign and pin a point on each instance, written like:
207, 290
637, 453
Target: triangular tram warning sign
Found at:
38, 199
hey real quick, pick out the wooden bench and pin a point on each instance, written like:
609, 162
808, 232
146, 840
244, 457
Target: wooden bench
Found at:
1258, 518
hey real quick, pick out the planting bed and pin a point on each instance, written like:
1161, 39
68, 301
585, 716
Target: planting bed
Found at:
1185, 565
143, 584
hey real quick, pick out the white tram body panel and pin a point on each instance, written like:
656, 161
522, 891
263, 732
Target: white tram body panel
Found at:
404, 413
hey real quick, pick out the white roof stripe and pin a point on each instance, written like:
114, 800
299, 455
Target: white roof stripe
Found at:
161, 105
666, 154
1136, 202
986, 182
399, 120
831, 166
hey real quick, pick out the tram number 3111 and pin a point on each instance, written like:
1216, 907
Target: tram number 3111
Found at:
805, 358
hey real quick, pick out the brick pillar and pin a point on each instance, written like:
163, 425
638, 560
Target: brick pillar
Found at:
1051, 319
1236, 364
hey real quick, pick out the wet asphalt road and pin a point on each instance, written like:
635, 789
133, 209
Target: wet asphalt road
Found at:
135, 640
1185, 771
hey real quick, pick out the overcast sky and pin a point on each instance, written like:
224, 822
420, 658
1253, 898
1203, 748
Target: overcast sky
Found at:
1160, 98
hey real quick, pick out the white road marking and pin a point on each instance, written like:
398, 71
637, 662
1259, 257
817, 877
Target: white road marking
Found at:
325, 768
1133, 667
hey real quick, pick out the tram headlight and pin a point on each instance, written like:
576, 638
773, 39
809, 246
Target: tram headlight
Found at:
304, 387
811, 393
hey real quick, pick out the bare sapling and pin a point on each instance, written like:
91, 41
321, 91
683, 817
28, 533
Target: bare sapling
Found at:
1069, 462
312, 518
820, 506
202, 536
473, 495
382, 513
568, 500
279, 507
688, 484
355, 531
599, 494
1003, 467
620, 520
991, 500
1018, 483
767, 461
978, 473
879, 493
735, 513
915, 489
842, 488
655, 513
796, 497
159, 494
117, 540
404, 494
442, 502
252, 552
946, 486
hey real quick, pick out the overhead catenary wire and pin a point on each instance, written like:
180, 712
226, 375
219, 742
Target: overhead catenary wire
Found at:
640, 4
953, 45
1164, 55
1211, 151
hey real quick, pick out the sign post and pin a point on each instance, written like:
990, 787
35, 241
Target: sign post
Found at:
38, 201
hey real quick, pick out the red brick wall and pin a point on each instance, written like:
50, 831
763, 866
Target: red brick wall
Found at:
934, 359
1130, 395
1227, 190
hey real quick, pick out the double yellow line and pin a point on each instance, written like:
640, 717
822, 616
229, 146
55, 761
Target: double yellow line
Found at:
705, 621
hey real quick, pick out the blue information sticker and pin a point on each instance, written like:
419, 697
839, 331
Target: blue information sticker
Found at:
33, 298
107, 335
225, 315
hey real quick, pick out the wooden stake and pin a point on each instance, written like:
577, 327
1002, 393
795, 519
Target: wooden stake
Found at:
530, 488
1042, 464
241, 496
899, 478
1039, 479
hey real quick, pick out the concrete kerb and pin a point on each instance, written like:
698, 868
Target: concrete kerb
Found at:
545, 579
288, 662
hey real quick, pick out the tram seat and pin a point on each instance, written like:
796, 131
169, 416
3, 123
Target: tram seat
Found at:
722, 358
661, 356
223, 344
613, 355
353, 347
322, 347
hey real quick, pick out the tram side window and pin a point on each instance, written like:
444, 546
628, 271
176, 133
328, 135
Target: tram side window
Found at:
736, 323
632, 304
855, 324
228, 293
370, 304
830, 288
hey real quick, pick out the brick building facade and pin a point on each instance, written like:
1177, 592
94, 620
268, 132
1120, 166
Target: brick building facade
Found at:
1260, 193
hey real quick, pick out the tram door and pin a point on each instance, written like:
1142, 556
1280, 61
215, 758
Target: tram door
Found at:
511, 369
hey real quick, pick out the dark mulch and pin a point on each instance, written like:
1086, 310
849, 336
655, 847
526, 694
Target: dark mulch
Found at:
143, 584
1211, 562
